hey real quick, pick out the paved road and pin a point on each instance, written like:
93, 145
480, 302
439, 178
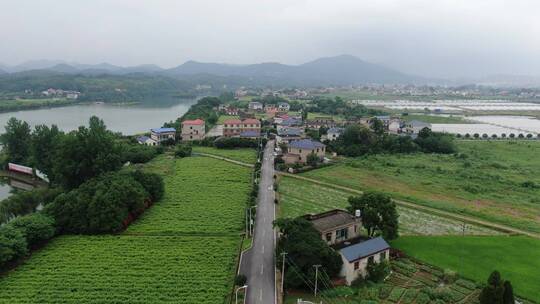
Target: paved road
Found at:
258, 263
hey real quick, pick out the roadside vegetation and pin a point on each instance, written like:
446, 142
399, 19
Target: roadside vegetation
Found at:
485, 179
517, 258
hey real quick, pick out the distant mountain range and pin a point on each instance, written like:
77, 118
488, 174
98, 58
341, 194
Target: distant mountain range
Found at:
338, 70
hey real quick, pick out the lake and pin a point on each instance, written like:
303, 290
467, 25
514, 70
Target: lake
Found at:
128, 119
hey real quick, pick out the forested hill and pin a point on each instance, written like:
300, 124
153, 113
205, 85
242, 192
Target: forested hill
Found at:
109, 88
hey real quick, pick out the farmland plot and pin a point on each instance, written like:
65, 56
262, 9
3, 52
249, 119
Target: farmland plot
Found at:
205, 195
299, 197
124, 269
246, 155
182, 250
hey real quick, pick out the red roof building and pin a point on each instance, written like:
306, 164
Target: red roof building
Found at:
196, 122
234, 127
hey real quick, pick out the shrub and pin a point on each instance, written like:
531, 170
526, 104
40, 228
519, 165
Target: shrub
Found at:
36, 227
521, 135
376, 272
449, 276
240, 280
152, 183
183, 150
12, 244
136, 153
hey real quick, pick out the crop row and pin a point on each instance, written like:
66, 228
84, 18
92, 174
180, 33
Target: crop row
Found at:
127, 269
204, 195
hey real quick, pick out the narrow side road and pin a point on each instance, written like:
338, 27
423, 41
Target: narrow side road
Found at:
258, 263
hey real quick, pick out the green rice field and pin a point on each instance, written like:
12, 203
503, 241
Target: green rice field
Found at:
246, 155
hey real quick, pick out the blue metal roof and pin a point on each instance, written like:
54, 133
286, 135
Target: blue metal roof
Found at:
291, 122
335, 130
306, 144
290, 132
163, 130
143, 138
364, 249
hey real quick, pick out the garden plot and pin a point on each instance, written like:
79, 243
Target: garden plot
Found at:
298, 197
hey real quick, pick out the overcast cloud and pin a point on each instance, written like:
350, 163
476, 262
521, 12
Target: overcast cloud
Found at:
443, 38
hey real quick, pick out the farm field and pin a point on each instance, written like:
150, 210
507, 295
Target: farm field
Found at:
410, 282
124, 269
439, 119
298, 197
245, 155
182, 250
202, 192
486, 179
517, 258
313, 115
222, 118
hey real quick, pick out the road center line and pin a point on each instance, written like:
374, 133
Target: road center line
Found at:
262, 269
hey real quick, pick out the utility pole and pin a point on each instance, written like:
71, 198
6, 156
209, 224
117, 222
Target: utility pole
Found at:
283, 270
316, 275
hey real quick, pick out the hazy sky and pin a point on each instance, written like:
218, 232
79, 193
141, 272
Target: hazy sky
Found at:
426, 37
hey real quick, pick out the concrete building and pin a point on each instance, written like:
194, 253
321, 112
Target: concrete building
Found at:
415, 126
333, 133
283, 107
299, 150
193, 130
356, 257
289, 134
319, 122
234, 127
159, 135
255, 106
336, 226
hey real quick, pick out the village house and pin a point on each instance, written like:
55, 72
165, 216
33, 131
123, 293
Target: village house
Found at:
234, 127
356, 257
193, 130
342, 231
255, 106
395, 126
336, 226
291, 122
299, 150
283, 107
319, 122
145, 140
289, 134
333, 133
415, 126
159, 135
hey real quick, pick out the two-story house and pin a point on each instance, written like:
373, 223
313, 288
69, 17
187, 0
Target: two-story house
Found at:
299, 150
193, 130
336, 226
235, 127
159, 135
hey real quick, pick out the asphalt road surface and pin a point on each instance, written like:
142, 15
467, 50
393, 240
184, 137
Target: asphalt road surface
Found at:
258, 264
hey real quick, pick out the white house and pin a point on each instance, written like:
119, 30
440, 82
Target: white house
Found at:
415, 126
283, 107
394, 126
145, 140
356, 257
333, 133
160, 135
255, 106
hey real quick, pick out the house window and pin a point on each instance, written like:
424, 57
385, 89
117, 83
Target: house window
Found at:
356, 265
355, 227
329, 236
382, 256
371, 259
341, 234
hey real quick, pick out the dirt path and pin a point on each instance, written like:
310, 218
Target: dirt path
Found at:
224, 158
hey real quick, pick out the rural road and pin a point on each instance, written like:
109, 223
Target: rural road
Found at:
258, 262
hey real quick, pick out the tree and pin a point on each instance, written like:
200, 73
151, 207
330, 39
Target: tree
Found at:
379, 213
494, 291
508, 296
44, 142
304, 248
16, 141
86, 153
376, 272
377, 126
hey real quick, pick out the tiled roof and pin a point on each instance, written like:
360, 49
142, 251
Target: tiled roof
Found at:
196, 122
290, 132
364, 249
142, 138
232, 122
163, 130
251, 121
307, 144
330, 219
